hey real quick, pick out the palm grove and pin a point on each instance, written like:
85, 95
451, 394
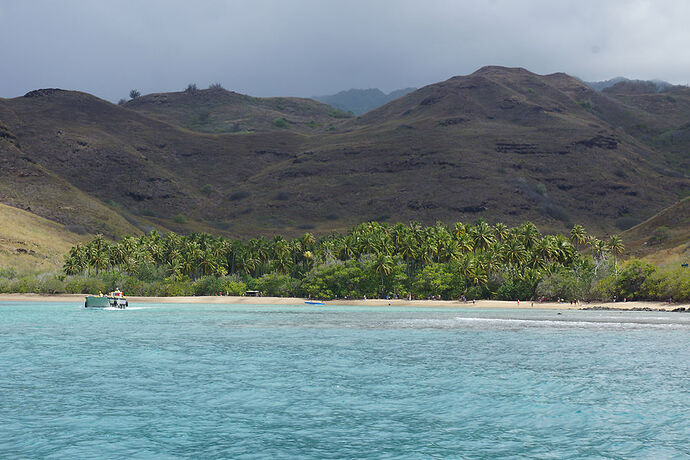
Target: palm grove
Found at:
373, 260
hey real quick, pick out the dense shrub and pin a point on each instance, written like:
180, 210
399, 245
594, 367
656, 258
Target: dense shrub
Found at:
277, 285
239, 195
668, 284
516, 288
338, 279
280, 123
177, 288
85, 285
570, 284
438, 280
629, 282
208, 285
51, 284
234, 287
563, 285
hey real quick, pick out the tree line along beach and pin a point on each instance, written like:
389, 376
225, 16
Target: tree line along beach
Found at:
373, 261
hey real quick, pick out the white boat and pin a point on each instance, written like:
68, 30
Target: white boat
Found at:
114, 299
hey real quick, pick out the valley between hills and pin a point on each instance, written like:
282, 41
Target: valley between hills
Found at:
501, 144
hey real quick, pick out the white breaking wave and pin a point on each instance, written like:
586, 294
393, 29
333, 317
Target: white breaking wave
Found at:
460, 321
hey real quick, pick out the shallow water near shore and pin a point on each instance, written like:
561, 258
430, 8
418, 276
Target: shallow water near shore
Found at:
229, 381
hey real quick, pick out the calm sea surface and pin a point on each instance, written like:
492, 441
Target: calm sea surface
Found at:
219, 381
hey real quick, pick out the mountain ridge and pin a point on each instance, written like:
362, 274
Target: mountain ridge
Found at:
500, 144
217, 110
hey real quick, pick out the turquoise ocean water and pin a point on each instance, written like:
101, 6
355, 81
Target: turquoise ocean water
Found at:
219, 381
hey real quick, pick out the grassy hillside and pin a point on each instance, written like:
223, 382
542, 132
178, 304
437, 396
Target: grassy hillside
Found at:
664, 238
217, 110
500, 144
29, 242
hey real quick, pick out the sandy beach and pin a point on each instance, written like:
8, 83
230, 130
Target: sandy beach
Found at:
268, 301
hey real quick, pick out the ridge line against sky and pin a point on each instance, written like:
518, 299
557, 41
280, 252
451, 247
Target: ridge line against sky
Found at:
311, 47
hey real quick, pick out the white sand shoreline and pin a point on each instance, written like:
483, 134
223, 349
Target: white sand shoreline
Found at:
269, 301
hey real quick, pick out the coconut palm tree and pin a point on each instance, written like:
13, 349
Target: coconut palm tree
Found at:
615, 247
529, 234
578, 235
471, 270
383, 265
482, 236
599, 248
513, 253
501, 231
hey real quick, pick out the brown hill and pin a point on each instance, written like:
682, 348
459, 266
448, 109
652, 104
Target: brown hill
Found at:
502, 144
216, 110
660, 119
145, 170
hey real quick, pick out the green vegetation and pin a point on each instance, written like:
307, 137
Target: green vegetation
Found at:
335, 113
207, 189
133, 94
587, 105
372, 259
280, 123
239, 195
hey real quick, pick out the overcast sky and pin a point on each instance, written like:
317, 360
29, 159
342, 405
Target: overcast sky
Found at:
314, 47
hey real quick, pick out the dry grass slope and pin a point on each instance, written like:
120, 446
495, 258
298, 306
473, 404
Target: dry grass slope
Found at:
29, 242
664, 238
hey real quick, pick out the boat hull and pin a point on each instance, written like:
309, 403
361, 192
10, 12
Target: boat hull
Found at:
93, 301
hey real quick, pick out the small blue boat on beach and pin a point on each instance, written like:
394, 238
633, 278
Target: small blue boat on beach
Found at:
309, 302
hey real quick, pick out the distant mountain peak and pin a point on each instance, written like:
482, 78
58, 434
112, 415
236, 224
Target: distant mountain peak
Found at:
626, 85
359, 101
497, 69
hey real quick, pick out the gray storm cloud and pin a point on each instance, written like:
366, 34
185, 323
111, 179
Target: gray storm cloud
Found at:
305, 48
